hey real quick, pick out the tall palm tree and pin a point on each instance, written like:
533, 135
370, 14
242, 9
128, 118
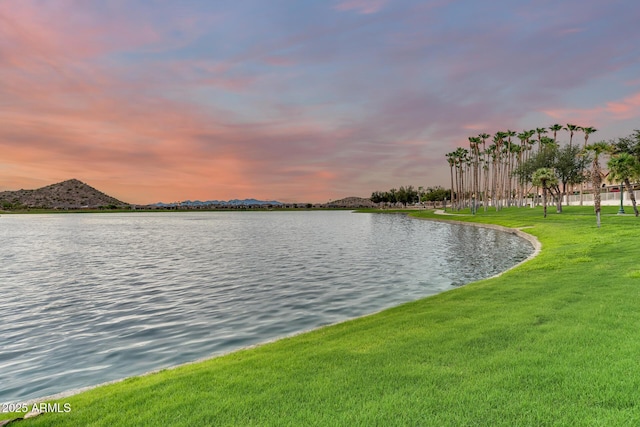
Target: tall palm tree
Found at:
474, 144
597, 149
493, 154
540, 132
510, 154
555, 128
498, 168
516, 154
452, 162
485, 192
587, 131
624, 167
522, 158
461, 157
545, 178
571, 129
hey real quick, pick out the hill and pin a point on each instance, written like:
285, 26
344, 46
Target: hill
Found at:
352, 202
70, 194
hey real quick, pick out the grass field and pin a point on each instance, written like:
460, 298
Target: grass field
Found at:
555, 341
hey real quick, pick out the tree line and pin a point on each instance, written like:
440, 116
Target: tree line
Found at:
410, 195
508, 168
496, 170
623, 167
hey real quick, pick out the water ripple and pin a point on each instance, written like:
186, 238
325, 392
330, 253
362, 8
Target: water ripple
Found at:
89, 298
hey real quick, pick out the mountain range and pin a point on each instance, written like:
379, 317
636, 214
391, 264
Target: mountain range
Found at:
231, 203
75, 194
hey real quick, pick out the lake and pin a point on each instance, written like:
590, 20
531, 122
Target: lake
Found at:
89, 298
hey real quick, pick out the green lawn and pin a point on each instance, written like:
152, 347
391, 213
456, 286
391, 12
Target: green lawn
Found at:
555, 341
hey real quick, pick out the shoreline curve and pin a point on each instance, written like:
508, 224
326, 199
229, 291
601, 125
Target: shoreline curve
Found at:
537, 246
530, 238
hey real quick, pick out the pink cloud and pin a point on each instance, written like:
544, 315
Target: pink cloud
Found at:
624, 109
476, 127
627, 108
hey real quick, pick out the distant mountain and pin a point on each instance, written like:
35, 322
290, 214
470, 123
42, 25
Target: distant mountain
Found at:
70, 194
230, 203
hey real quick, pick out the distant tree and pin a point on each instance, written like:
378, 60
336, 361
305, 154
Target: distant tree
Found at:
623, 167
436, 194
407, 195
392, 196
544, 178
377, 197
404, 195
629, 144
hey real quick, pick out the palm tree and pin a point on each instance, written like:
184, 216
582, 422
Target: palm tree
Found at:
498, 169
555, 128
545, 178
597, 149
461, 161
510, 153
483, 137
474, 144
452, 162
540, 132
587, 131
622, 168
571, 129
522, 158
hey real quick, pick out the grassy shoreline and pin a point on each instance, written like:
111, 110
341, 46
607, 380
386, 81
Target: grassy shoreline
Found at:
551, 342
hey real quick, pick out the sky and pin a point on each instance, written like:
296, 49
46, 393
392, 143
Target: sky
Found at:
296, 101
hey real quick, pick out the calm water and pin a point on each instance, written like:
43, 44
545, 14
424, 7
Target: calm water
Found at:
88, 298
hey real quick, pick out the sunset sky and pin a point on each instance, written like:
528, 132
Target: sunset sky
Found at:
296, 100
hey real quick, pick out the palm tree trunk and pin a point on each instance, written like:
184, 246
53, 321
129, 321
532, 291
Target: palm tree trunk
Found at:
494, 185
558, 200
485, 198
597, 180
451, 195
631, 195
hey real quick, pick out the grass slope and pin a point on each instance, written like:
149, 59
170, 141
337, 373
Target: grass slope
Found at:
552, 342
